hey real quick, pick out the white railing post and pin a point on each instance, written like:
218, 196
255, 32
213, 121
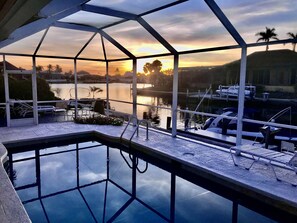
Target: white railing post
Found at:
107, 88
34, 91
6, 87
241, 95
174, 96
134, 87
75, 88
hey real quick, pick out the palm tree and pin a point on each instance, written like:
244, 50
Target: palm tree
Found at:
294, 38
39, 68
154, 67
50, 68
154, 71
267, 35
94, 90
58, 69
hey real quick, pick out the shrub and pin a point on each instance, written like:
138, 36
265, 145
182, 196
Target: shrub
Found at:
99, 120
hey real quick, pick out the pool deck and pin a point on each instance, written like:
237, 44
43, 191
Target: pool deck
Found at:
204, 159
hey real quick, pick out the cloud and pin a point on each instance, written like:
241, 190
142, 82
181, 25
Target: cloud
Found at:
250, 17
187, 26
63, 42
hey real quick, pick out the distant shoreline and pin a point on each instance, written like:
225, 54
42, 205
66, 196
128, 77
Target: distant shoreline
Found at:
91, 82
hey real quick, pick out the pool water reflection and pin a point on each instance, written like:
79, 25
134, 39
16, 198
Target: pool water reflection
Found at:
92, 182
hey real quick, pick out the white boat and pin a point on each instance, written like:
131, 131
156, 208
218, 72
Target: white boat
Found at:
223, 125
233, 91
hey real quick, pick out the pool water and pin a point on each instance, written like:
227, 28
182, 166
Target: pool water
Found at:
93, 182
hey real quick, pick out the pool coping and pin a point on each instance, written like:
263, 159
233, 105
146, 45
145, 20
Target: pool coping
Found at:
139, 144
11, 207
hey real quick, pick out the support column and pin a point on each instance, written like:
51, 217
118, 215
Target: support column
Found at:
75, 88
172, 198
77, 164
134, 174
107, 77
6, 87
107, 89
34, 92
174, 95
241, 95
134, 87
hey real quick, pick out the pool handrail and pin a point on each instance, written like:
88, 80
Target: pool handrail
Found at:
137, 129
129, 121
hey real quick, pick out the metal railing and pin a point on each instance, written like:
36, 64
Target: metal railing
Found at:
136, 162
140, 104
244, 119
130, 120
136, 130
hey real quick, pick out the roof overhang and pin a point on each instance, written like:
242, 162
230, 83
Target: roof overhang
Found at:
16, 13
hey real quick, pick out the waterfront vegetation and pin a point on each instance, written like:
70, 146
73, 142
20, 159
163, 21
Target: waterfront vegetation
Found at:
99, 120
22, 89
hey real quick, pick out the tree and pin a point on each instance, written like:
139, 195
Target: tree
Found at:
39, 68
58, 69
154, 71
49, 68
267, 35
83, 72
294, 38
168, 71
154, 67
117, 72
147, 68
94, 90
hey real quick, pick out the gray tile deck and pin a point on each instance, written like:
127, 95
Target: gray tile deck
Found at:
206, 158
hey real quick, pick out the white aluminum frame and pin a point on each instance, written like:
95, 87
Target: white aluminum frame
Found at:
57, 10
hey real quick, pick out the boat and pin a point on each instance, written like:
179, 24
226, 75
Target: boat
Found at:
226, 124
233, 91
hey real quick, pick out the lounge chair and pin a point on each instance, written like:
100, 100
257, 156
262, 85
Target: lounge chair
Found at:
23, 108
274, 159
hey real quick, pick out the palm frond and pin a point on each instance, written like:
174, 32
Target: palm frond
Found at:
292, 35
260, 39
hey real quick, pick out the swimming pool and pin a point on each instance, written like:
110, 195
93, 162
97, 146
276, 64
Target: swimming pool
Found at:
93, 182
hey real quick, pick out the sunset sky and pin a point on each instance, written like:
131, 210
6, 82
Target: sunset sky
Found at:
189, 25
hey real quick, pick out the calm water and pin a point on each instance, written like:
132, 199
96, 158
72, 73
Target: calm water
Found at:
117, 91
91, 182
121, 91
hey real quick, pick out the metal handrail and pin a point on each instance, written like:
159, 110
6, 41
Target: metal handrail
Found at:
136, 163
137, 130
130, 119
145, 169
130, 166
139, 122
147, 138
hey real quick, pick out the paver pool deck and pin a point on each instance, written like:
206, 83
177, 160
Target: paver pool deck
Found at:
204, 159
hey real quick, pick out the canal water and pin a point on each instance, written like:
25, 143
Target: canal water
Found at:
256, 109
122, 92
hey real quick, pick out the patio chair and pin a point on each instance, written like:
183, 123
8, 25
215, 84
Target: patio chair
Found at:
60, 108
274, 159
24, 108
